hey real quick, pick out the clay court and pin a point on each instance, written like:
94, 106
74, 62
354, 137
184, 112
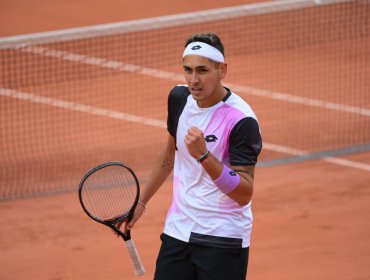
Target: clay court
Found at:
312, 189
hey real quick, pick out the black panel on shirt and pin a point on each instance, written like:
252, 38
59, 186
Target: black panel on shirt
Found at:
245, 142
215, 241
176, 104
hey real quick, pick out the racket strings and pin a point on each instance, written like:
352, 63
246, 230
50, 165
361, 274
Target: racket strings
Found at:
108, 197
109, 192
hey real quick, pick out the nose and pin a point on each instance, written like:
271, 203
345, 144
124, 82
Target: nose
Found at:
194, 78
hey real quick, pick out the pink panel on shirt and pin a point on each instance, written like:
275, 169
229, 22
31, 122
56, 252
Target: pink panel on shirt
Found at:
174, 209
221, 123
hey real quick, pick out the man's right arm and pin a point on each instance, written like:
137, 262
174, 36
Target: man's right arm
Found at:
160, 172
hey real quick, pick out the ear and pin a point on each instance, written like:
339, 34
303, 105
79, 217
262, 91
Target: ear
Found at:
223, 70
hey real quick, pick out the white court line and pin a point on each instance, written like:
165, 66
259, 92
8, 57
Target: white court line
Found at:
348, 163
81, 108
156, 73
301, 100
152, 122
334, 160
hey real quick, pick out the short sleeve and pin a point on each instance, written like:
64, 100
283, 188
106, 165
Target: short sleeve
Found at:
245, 142
176, 103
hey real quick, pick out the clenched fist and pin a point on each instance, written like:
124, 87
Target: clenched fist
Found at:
195, 143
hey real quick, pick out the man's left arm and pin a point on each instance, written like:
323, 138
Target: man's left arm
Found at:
237, 179
244, 191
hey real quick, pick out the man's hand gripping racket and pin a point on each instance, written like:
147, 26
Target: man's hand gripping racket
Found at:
109, 194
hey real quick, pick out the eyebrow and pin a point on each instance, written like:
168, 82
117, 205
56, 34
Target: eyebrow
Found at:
197, 67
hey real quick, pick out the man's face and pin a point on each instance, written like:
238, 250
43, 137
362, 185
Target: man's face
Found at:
203, 78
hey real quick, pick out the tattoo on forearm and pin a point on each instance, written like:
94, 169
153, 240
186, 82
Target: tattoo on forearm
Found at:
249, 170
167, 164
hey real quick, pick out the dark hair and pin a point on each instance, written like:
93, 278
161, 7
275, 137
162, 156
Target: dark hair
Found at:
208, 38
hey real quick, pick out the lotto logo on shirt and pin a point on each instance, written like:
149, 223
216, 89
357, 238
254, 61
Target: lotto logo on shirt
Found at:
211, 138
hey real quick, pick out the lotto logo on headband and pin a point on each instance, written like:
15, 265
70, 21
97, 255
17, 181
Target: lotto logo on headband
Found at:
205, 50
197, 47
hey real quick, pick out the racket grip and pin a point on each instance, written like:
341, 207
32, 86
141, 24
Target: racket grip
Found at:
138, 266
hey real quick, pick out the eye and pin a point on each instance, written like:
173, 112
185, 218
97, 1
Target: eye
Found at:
202, 70
187, 70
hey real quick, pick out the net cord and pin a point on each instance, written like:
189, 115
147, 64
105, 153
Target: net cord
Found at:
160, 22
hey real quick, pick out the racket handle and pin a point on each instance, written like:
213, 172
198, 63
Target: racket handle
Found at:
138, 266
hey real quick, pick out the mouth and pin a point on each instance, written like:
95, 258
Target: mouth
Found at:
196, 90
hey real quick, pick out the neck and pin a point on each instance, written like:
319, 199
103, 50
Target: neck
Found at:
217, 96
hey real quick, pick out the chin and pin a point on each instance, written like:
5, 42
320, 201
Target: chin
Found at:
197, 97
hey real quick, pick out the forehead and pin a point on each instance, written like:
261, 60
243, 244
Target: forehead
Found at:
194, 61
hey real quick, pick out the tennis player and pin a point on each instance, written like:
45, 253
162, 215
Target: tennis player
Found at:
213, 144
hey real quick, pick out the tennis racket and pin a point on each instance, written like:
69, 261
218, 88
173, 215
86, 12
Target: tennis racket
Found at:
109, 194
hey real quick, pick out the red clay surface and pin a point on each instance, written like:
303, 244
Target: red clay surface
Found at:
22, 16
313, 228
310, 218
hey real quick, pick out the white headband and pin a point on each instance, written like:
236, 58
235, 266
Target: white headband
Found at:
205, 50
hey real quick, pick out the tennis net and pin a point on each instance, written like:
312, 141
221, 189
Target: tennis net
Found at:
72, 99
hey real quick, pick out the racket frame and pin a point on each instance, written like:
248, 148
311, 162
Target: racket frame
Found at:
125, 216
139, 269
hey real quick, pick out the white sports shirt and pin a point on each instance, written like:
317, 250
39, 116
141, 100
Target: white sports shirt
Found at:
200, 212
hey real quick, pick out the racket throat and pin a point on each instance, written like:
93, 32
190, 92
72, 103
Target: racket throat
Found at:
125, 234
